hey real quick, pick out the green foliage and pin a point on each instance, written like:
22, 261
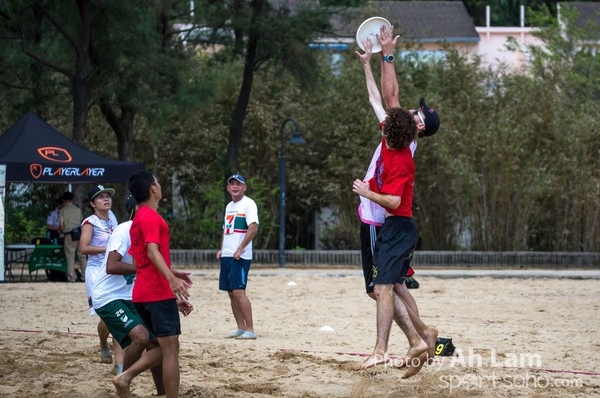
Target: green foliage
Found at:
515, 165
26, 209
506, 12
199, 223
21, 228
341, 237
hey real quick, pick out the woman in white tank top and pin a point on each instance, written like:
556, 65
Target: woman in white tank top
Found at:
95, 232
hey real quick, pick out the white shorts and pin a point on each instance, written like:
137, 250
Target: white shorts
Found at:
91, 275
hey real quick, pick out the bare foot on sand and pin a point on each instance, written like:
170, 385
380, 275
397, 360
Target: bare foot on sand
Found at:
415, 359
122, 386
375, 359
430, 337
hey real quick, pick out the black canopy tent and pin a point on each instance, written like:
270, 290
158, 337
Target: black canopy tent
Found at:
33, 151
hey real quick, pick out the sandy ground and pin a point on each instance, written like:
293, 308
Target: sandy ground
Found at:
533, 337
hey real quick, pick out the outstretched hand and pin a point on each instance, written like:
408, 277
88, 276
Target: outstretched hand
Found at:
387, 40
366, 57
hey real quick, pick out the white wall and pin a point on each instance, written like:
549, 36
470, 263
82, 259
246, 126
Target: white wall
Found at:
492, 47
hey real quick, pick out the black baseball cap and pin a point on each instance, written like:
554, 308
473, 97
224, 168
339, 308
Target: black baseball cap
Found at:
432, 119
97, 190
129, 202
237, 177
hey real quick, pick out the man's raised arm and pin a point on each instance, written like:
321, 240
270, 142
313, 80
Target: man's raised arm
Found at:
374, 95
389, 81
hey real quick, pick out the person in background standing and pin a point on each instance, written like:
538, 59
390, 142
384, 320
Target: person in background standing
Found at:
239, 228
69, 218
52, 224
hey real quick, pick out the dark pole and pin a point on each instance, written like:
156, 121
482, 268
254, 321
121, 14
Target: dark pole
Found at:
296, 139
282, 199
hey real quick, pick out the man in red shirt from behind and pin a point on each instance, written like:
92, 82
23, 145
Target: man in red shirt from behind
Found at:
157, 287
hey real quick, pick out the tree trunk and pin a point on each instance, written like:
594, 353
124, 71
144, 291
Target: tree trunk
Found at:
122, 126
237, 120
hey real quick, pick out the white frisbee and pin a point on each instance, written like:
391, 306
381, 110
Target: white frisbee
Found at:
368, 29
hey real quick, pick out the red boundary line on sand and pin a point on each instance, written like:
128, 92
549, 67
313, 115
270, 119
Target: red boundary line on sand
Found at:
46, 331
359, 354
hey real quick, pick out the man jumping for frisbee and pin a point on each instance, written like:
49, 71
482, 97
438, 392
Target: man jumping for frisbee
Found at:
373, 215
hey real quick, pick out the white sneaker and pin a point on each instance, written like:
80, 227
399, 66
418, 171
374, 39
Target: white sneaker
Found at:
247, 335
236, 334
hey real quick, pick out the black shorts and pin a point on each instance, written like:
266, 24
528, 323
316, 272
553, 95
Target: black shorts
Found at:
368, 236
394, 250
160, 317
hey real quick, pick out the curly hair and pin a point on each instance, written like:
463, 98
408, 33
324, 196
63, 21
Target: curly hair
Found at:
400, 128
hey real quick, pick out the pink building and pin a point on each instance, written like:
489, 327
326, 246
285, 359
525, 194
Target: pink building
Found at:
427, 25
492, 46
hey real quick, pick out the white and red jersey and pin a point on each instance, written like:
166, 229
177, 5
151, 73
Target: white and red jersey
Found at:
368, 211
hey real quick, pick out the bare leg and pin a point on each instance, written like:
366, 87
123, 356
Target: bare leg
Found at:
170, 367
402, 291
242, 310
377, 359
428, 334
417, 350
103, 332
122, 382
139, 340
385, 313
105, 355
157, 374
398, 320
119, 352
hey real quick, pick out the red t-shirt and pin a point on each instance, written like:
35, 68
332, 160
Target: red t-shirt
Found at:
395, 175
149, 227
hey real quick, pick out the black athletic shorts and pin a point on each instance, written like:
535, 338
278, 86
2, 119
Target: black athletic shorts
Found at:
394, 250
160, 317
368, 236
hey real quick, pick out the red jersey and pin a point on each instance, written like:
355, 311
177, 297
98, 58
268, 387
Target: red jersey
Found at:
395, 175
149, 227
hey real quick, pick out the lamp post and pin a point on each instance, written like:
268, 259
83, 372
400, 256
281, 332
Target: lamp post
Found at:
296, 140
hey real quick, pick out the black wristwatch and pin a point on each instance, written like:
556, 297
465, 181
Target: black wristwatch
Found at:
388, 58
